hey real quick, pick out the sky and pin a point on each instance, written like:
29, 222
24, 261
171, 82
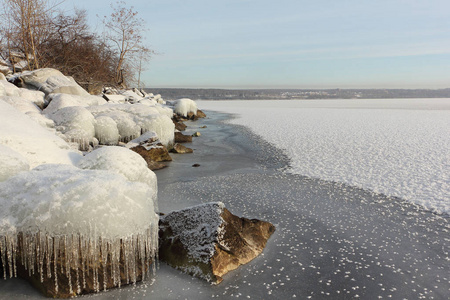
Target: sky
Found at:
292, 43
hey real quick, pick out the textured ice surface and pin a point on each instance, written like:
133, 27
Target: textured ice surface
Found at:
395, 147
135, 119
58, 101
106, 131
122, 161
184, 106
21, 104
35, 143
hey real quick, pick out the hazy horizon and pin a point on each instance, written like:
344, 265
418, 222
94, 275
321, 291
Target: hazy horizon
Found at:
293, 44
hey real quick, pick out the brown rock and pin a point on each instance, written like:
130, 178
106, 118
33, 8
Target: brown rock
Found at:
181, 138
180, 126
155, 153
208, 241
180, 149
200, 114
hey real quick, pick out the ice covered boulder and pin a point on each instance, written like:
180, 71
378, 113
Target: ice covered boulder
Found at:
122, 161
106, 131
208, 241
11, 163
135, 119
77, 124
73, 231
58, 101
50, 81
151, 150
184, 106
2, 76
37, 144
21, 104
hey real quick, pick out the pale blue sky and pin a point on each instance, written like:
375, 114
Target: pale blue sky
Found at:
294, 44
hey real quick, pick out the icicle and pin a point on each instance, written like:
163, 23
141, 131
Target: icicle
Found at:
55, 260
3, 252
49, 255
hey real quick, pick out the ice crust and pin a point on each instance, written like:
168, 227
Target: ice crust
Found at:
37, 144
397, 147
11, 163
58, 101
184, 106
135, 119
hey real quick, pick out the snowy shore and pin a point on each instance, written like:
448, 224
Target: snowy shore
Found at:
332, 240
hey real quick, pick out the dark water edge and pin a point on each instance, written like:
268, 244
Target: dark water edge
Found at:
332, 241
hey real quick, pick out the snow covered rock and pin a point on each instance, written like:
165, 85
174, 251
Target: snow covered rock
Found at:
184, 106
151, 150
58, 101
135, 119
75, 231
77, 124
106, 131
37, 144
122, 161
51, 81
208, 241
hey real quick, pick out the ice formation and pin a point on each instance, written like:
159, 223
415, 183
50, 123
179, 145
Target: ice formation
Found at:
148, 136
85, 218
122, 161
58, 101
51, 81
184, 106
21, 104
106, 130
135, 119
76, 123
12, 163
37, 144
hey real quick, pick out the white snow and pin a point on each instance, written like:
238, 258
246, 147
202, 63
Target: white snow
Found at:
37, 144
149, 136
135, 119
123, 161
11, 163
106, 131
58, 101
184, 106
395, 147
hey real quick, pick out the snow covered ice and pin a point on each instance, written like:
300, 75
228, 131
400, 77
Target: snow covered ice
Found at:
398, 147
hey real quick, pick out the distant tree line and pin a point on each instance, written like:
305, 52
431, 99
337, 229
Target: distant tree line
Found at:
267, 94
47, 37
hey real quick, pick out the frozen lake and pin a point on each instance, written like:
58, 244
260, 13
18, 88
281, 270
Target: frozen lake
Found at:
332, 240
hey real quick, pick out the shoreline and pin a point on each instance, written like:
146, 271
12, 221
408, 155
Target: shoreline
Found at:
330, 237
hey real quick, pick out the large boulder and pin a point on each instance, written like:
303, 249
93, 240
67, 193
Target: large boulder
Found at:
207, 241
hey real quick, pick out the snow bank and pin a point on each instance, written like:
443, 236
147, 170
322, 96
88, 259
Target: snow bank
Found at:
76, 123
50, 81
122, 161
397, 147
58, 101
12, 163
135, 119
35, 143
91, 215
184, 106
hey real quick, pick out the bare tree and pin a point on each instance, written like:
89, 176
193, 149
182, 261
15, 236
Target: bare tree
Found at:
124, 30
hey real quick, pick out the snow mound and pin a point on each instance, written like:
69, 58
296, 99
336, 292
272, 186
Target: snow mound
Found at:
8, 89
58, 101
12, 163
36, 97
76, 123
148, 136
198, 228
106, 131
184, 106
90, 202
21, 104
50, 81
86, 217
135, 119
37, 144
122, 161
